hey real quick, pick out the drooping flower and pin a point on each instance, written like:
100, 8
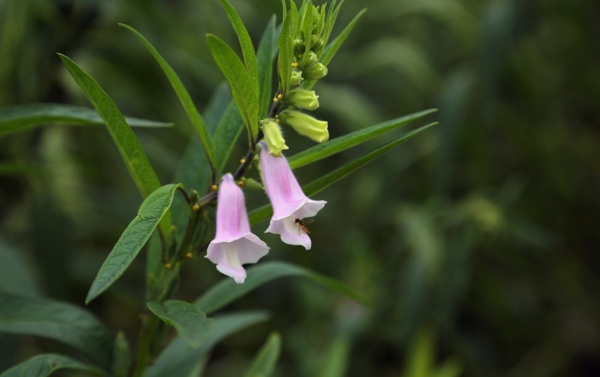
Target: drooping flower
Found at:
305, 125
289, 202
234, 243
273, 136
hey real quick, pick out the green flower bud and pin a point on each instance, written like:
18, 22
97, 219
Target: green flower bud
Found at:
305, 125
273, 136
310, 60
316, 43
299, 46
296, 78
303, 99
314, 72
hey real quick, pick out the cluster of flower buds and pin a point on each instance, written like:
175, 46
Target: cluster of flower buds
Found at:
234, 243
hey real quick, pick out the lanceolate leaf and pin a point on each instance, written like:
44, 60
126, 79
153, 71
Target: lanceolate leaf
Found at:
262, 213
227, 290
191, 324
245, 43
46, 364
264, 57
227, 133
342, 143
133, 239
265, 361
181, 360
286, 43
62, 322
23, 117
183, 95
131, 150
242, 86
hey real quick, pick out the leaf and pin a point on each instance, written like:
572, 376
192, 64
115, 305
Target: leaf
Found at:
23, 117
336, 358
121, 356
264, 57
227, 290
46, 364
58, 321
191, 324
133, 239
286, 48
264, 363
17, 276
129, 146
262, 213
227, 133
245, 43
347, 141
179, 359
183, 95
242, 85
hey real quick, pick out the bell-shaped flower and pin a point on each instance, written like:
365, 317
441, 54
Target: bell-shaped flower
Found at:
303, 99
305, 125
290, 205
273, 136
234, 244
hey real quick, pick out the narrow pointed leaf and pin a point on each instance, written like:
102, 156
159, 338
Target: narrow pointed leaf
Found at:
285, 44
264, 57
245, 43
225, 292
121, 356
179, 359
133, 239
262, 213
242, 86
332, 48
23, 117
228, 131
264, 363
183, 95
191, 324
46, 364
58, 321
347, 141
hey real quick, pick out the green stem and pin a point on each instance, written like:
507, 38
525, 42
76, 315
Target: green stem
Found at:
147, 333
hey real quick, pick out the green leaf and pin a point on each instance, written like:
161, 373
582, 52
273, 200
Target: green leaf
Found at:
121, 356
336, 358
342, 143
58, 321
227, 133
181, 360
263, 213
264, 57
17, 276
23, 117
191, 324
242, 84
245, 43
264, 363
183, 95
334, 46
286, 47
129, 146
133, 239
227, 290
46, 364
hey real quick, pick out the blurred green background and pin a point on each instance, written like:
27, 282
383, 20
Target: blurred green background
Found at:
478, 241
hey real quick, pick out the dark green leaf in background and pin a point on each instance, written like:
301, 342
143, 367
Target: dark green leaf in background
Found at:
133, 239
264, 58
58, 321
23, 117
46, 364
121, 356
191, 324
285, 44
266, 359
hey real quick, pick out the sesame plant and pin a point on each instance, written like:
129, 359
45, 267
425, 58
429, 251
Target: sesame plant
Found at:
176, 337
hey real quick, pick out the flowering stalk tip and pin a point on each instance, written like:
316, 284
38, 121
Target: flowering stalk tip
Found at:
234, 243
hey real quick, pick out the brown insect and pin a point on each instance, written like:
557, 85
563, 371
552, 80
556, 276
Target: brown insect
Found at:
302, 225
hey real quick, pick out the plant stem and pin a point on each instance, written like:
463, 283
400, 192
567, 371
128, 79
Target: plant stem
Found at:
147, 332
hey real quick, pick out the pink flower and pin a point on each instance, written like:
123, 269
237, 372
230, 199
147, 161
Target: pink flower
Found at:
288, 201
234, 244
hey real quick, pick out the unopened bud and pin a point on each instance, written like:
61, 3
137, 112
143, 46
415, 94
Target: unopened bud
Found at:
314, 72
296, 78
299, 46
305, 125
303, 99
316, 43
273, 137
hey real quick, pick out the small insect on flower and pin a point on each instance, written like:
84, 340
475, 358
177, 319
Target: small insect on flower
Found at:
302, 225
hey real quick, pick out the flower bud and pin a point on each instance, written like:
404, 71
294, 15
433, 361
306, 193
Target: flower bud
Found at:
273, 136
296, 78
303, 99
305, 125
311, 60
314, 72
299, 46
316, 43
